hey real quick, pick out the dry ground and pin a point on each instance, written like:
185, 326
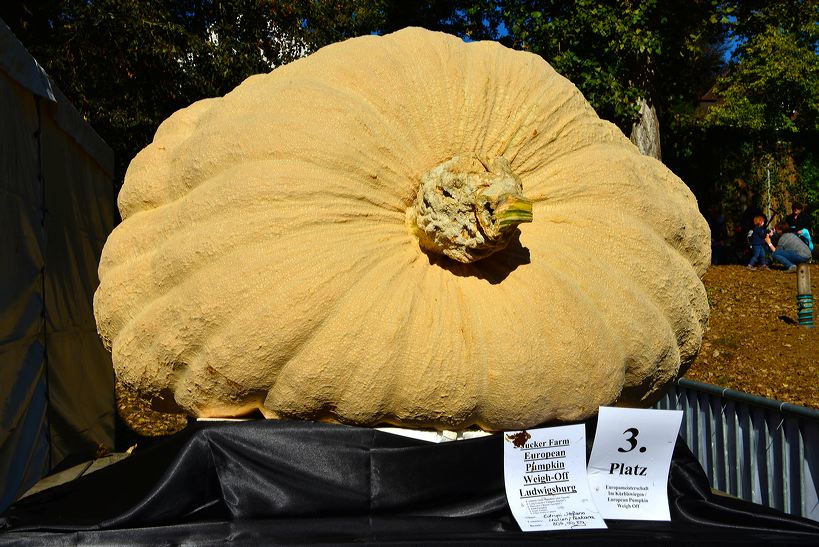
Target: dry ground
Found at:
753, 344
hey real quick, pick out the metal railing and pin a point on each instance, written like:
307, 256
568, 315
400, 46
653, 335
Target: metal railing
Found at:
756, 449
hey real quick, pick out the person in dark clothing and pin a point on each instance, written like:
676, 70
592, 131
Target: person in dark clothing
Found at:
760, 239
798, 220
720, 246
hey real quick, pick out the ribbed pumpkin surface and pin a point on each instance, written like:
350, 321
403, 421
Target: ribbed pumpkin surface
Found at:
265, 258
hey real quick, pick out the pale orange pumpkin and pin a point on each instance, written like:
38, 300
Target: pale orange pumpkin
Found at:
405, 229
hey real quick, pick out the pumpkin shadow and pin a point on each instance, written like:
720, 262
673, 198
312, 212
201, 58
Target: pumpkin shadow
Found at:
493, 269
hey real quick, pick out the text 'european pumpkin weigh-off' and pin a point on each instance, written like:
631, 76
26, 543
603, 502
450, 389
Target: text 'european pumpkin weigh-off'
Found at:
407, 230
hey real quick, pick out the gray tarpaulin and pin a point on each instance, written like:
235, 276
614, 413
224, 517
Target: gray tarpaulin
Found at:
56, 210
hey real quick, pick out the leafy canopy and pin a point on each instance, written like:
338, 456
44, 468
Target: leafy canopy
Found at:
772, 86
619, 52
764, 125
127, 66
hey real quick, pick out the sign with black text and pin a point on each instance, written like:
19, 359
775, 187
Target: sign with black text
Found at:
545, 476
629, 462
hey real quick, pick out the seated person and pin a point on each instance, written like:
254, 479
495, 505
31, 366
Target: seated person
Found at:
790, 250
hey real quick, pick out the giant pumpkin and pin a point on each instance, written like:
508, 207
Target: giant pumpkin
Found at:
406, 230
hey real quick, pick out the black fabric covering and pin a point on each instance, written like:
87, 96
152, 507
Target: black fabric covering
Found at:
271, 482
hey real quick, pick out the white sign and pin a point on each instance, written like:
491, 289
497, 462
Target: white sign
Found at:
545, 475
629, 462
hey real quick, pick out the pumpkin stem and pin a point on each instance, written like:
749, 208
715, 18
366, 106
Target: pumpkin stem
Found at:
468, 209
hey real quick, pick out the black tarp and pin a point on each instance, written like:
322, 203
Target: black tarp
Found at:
268, 482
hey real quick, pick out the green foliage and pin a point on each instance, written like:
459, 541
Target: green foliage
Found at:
772, 88
809, 178
126, 66
471, 19
795, 17
617, 52
765, 121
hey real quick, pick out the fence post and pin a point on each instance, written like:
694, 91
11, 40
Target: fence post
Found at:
804, 297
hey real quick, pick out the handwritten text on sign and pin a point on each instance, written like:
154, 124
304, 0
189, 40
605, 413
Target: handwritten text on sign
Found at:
545, 475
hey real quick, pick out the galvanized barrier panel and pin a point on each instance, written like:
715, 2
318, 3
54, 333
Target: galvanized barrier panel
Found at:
756, 449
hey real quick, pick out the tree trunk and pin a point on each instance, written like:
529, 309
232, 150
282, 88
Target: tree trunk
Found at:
645, 133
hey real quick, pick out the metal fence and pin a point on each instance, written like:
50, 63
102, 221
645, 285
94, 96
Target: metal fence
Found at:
753, 448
